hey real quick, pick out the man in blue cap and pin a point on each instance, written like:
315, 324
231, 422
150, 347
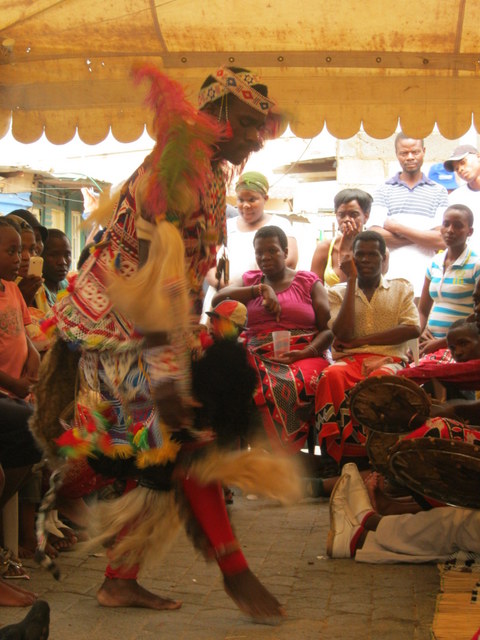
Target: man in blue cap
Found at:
440, 175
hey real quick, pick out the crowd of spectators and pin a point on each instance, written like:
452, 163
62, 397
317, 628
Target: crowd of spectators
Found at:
403, 267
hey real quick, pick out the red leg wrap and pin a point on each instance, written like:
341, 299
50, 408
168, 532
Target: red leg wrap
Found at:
121, 573
208, 507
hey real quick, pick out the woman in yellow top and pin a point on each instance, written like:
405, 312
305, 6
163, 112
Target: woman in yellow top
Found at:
352, 209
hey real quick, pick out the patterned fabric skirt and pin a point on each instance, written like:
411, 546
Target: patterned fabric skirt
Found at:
80, 480
341, 437
285, 393
115, 415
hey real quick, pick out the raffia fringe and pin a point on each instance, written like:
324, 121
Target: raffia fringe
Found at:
156, 297
102, 214
143, 522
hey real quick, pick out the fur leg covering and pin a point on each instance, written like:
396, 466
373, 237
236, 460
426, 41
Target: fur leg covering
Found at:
55, 396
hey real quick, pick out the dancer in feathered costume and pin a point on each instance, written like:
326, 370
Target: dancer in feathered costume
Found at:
127, 317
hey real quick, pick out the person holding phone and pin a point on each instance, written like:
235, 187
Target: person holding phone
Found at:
29, 282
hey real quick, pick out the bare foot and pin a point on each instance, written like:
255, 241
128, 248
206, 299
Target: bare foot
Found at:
371, 484
24, 552
27, 550
128, 593
253, 598
66, 543
35, 625
15, 587
12, 596
384, 504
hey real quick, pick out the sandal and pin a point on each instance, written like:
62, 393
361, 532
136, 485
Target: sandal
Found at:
60, 536
11, 567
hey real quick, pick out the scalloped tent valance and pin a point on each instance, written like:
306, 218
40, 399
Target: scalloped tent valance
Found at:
65, 64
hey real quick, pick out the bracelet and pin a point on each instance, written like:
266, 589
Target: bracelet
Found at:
314, 349
258, 287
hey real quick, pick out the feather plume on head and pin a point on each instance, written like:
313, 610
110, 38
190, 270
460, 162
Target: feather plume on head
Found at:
185, 144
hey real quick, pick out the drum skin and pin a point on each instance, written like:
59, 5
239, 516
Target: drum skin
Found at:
445, 470
389, 404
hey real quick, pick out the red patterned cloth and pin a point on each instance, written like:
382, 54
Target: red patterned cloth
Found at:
342, 437
284, 389
465, 374
447, 429
80, 480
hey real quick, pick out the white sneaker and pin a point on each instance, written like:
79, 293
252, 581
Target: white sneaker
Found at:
343, 524
358, 499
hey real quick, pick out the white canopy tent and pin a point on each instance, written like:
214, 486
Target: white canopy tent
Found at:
65, 64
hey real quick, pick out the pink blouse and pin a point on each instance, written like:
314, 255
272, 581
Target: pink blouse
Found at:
296, 302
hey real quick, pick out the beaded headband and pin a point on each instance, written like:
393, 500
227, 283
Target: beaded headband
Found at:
240, 85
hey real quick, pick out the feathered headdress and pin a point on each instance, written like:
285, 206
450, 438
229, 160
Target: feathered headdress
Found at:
185, 143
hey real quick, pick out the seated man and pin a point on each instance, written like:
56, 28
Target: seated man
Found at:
428, 536
372, 320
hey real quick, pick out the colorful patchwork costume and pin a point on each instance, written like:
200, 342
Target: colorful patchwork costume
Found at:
176, 202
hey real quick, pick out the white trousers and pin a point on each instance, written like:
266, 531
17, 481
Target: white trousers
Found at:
422, 537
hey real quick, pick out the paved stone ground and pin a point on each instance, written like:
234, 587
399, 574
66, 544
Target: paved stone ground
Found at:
325, 599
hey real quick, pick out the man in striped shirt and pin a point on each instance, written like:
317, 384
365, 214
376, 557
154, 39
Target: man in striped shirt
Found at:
407, 211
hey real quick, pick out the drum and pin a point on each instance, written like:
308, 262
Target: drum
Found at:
378, 447
445, 470
389, 404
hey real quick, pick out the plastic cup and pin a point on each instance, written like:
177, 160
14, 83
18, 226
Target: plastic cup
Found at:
281, 342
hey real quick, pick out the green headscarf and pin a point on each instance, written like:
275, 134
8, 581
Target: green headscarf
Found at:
253, 181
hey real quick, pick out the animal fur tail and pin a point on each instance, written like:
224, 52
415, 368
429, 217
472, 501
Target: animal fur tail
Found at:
55, 395
253, 471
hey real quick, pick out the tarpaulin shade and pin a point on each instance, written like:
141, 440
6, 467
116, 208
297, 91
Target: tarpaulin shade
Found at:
65, 64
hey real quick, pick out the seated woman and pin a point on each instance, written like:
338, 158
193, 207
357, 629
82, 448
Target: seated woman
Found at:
450, 280
352, 210
252, 195
278, 298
